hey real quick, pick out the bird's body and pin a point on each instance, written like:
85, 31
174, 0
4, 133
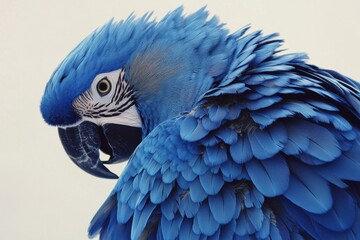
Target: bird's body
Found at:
236, 140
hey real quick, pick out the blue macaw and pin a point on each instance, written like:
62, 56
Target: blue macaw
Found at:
227, 138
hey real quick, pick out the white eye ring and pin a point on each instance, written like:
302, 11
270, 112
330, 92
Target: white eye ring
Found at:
103, 87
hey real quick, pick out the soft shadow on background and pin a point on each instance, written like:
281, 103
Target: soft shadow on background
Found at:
43, 195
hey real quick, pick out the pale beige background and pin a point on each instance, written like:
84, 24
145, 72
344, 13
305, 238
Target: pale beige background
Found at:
43, 195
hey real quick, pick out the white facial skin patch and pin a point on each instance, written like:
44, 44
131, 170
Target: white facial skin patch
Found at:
108, 100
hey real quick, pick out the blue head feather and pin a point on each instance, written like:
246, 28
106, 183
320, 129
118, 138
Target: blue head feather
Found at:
105, 50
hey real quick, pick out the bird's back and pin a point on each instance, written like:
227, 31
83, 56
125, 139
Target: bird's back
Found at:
269, 151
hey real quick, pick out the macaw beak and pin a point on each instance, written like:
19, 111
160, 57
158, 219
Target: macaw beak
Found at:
83, 142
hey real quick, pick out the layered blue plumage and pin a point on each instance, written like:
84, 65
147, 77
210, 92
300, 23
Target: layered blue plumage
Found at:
240, 140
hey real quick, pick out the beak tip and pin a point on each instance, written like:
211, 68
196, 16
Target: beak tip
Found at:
110, 176
99, 170
107, 175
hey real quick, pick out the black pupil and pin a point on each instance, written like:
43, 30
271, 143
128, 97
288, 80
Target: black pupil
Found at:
103, 86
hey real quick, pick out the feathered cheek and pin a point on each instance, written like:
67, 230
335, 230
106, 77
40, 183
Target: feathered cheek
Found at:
84, 141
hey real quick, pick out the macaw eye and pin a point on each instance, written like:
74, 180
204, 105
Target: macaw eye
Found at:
103, 87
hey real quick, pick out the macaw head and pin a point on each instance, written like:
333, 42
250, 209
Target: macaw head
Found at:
124, 79
90, 101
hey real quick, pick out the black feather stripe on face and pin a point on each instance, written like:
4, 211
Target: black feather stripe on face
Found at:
88, 105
